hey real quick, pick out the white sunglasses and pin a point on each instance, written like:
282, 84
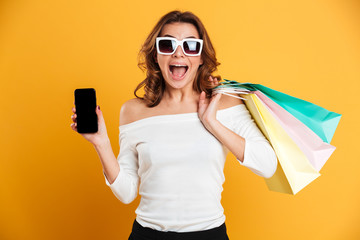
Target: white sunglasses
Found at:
189, 46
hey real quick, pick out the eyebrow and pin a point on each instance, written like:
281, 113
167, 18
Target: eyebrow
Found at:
168, 35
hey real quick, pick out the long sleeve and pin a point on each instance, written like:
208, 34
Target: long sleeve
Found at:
125, 186
259, 156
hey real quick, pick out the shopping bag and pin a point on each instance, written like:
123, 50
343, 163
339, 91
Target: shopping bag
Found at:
299, 132
316, 151
294, 170
318, 119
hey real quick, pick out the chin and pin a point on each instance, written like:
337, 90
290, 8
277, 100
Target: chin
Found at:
179, 83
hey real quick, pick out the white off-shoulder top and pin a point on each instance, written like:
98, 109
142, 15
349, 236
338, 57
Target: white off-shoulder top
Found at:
177, 166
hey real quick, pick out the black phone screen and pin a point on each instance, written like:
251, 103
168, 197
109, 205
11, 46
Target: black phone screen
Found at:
85, 103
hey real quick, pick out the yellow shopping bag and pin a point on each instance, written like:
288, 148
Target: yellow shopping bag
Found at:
294, 170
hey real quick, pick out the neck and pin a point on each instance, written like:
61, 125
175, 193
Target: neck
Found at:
179, 96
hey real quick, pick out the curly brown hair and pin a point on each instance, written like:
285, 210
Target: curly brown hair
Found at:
154, 83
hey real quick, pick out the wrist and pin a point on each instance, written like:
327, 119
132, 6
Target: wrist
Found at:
212, 125
102, 144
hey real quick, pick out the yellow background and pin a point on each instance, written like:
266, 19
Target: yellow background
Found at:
51, 182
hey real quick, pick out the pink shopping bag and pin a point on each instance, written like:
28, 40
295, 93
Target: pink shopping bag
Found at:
317, 151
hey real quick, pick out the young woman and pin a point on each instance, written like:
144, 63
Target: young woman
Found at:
174, 140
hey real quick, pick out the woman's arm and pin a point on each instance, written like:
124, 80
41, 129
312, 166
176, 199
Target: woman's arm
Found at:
120, 173
244, 139
207, 114
108, 161
233, 142
102, 145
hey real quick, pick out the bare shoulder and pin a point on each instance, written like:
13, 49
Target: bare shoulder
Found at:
228, 101
131, 110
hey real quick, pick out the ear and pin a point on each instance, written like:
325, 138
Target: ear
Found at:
201, 61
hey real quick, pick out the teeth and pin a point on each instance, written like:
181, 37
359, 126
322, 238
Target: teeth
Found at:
179, 65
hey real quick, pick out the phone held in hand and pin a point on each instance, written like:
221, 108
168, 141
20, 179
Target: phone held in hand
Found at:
85, 103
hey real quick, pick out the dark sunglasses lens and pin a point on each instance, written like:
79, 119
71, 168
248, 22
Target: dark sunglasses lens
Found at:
191, 47
166, 46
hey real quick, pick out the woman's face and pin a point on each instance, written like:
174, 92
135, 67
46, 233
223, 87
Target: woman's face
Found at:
178, 69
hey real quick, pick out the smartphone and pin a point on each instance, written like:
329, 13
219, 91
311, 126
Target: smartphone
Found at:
85, 103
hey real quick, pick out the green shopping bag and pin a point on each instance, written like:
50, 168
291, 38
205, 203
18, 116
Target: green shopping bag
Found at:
318, 119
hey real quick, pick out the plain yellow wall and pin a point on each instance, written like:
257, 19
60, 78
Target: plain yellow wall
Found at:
51, 181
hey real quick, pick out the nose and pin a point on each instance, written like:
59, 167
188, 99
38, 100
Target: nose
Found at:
179, 52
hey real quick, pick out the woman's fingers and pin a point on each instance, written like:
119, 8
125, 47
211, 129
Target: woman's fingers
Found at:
203, 100
202, 103
73, 127
202, 96
211, 79
73, 117
100, 115
214, 81
100, 135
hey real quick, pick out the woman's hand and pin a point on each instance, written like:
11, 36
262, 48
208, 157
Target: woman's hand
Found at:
208, 107
100, 137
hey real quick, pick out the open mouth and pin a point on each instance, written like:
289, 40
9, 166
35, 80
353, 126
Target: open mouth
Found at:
178, 71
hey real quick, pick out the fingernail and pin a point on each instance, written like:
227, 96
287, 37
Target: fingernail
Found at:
98, 107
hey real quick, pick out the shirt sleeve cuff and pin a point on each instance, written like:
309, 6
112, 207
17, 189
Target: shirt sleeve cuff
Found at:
246, 155
260, 160
114, 183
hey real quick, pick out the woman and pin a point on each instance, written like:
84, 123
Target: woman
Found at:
174, 140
